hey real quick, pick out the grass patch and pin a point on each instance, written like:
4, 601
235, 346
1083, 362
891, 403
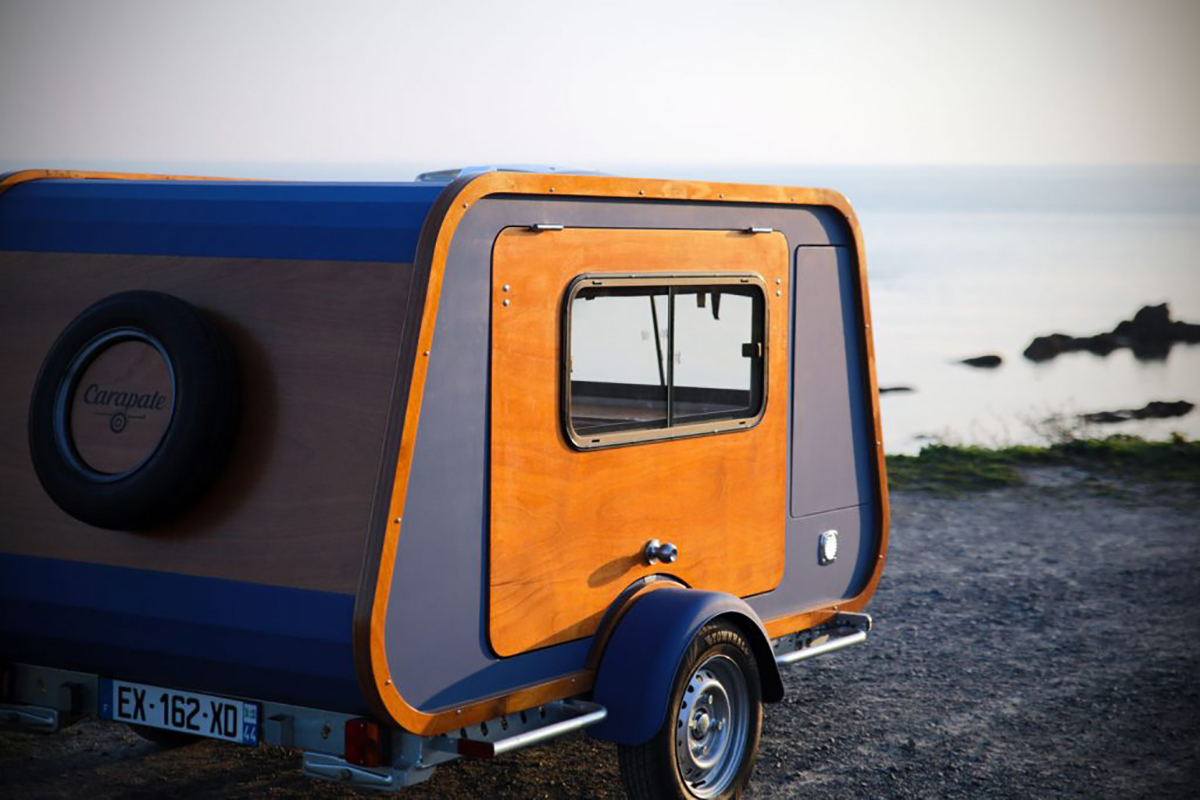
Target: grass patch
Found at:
953, 468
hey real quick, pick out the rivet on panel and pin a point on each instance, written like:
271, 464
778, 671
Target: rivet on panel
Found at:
388, 682
721, 196
397, 520
778, 293
464, 205
551, 190
506, 301
641, 191
426, 354
778, 281
506, 287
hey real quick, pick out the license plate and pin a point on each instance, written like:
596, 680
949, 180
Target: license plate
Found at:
173, 710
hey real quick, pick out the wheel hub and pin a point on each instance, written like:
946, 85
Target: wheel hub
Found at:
712, 725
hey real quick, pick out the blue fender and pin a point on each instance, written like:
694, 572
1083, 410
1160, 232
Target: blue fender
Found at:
639, 664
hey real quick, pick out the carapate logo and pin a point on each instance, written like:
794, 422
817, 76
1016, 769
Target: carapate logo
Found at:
122, 406
125, 402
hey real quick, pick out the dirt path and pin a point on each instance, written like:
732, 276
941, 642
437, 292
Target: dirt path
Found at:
1029, 642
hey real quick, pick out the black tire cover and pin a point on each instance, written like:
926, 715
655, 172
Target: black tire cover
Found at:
134, 411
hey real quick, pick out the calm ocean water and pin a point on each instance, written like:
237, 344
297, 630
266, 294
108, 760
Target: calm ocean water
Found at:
946, 285
964, 262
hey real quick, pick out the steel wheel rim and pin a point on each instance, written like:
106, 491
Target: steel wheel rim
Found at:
711, 726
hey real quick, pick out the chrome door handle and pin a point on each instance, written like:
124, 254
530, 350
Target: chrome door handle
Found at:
664, 552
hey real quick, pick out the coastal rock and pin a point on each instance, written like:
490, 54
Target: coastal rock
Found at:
1150, 334
1155, 409
989, 361
1044, 348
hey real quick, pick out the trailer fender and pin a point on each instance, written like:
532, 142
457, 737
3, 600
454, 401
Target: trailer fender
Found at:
639, 664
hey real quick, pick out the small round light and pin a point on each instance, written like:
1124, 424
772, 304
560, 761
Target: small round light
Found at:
827, 547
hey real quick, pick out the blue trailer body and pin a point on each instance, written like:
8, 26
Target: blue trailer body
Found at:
318, 221
341, 560
229, 637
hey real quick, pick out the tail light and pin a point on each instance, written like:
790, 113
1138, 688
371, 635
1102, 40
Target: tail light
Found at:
366, 743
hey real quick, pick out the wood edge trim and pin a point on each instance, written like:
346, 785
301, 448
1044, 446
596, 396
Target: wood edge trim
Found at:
369, 620
11, 179
459, 197
780, 626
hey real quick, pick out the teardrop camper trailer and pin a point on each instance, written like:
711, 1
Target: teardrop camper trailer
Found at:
399, 473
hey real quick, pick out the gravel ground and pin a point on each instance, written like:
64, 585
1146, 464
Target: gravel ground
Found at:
1036, 641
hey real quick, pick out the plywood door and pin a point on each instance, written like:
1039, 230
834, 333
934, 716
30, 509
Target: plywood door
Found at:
568, 526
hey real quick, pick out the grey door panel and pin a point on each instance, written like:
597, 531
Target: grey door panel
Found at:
830, 447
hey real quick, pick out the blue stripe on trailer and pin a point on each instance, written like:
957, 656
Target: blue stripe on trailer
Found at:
316, 221
202, 634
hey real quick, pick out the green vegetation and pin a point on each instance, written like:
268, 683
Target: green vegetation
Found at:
954, 468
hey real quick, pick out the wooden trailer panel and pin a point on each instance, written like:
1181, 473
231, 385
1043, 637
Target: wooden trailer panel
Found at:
567, 526
423, 618
250, 591
316, 346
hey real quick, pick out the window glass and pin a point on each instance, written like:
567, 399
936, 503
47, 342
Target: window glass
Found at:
661, 357
714, 371
619, 341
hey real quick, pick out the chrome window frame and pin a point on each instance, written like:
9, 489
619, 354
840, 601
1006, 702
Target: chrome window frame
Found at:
598, 441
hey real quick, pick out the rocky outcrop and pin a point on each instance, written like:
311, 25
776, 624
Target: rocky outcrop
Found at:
1156, 409
990, 361
1150, 334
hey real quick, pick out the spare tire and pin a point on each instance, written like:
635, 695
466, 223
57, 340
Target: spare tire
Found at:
134, 411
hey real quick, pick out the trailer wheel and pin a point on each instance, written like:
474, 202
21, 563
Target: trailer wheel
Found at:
708, 743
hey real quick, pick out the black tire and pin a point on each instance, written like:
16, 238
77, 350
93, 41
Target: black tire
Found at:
654, 769
198, 435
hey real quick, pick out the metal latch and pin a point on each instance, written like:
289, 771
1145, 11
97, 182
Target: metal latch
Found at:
656, 552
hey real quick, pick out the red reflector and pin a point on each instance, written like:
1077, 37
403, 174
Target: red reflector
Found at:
364, 743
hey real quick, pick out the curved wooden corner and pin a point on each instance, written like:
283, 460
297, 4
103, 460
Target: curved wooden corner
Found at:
460, 197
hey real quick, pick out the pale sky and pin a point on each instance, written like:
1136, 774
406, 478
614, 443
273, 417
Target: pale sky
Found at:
353, 89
